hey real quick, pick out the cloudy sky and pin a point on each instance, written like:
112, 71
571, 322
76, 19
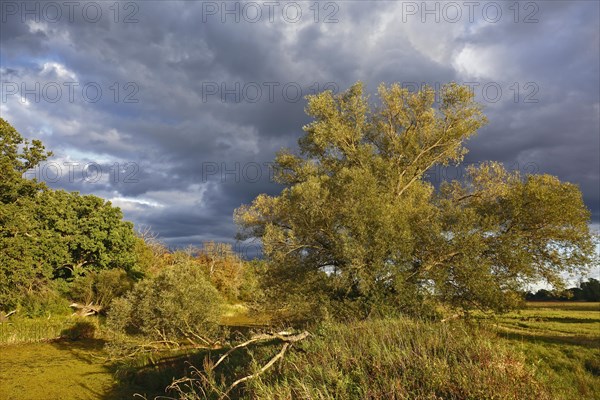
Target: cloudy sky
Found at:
173, 109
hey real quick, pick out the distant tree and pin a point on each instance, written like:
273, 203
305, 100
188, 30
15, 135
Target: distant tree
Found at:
544, 295
576, 294
590, 290
151, 255
224, 268
587, 291
18, 155
359, 227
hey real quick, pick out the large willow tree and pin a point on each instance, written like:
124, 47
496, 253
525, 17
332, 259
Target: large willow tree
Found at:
358, 227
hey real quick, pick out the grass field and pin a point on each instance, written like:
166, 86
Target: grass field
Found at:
561, 340
577, 323
559, 343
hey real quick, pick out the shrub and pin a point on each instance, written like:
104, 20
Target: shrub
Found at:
84, 329
178, 304
44, 302
100, 287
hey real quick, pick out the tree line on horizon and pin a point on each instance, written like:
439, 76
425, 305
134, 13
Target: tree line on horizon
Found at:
586, 291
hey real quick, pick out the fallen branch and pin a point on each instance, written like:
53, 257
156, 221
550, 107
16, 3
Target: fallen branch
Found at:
86, 310
283, 336
288, 338
190, 332
239, 346
5, 317
262, 370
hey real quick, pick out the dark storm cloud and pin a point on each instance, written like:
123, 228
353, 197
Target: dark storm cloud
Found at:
196, 148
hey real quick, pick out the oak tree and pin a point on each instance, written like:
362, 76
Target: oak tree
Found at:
51, 234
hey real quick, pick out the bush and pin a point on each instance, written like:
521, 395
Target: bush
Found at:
100, 287
84, 329
43, 303
178, 304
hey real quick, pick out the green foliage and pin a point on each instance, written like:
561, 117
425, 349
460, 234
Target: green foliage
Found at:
507, 230
60, 235
43, 303
18, 155
100, 287
358, 227
83, 233
250, 290
48, 234
17, 197
178, 304
235, 279
82, 329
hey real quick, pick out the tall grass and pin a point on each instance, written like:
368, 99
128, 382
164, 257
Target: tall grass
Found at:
31, 330
386, 359
24, 330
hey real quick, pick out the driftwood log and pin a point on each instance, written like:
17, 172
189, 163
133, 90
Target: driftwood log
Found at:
85, 310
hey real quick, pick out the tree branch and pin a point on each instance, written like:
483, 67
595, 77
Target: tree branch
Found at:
262, 370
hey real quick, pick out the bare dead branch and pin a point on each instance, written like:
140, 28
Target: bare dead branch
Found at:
260, 371
283, 336
86, 309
